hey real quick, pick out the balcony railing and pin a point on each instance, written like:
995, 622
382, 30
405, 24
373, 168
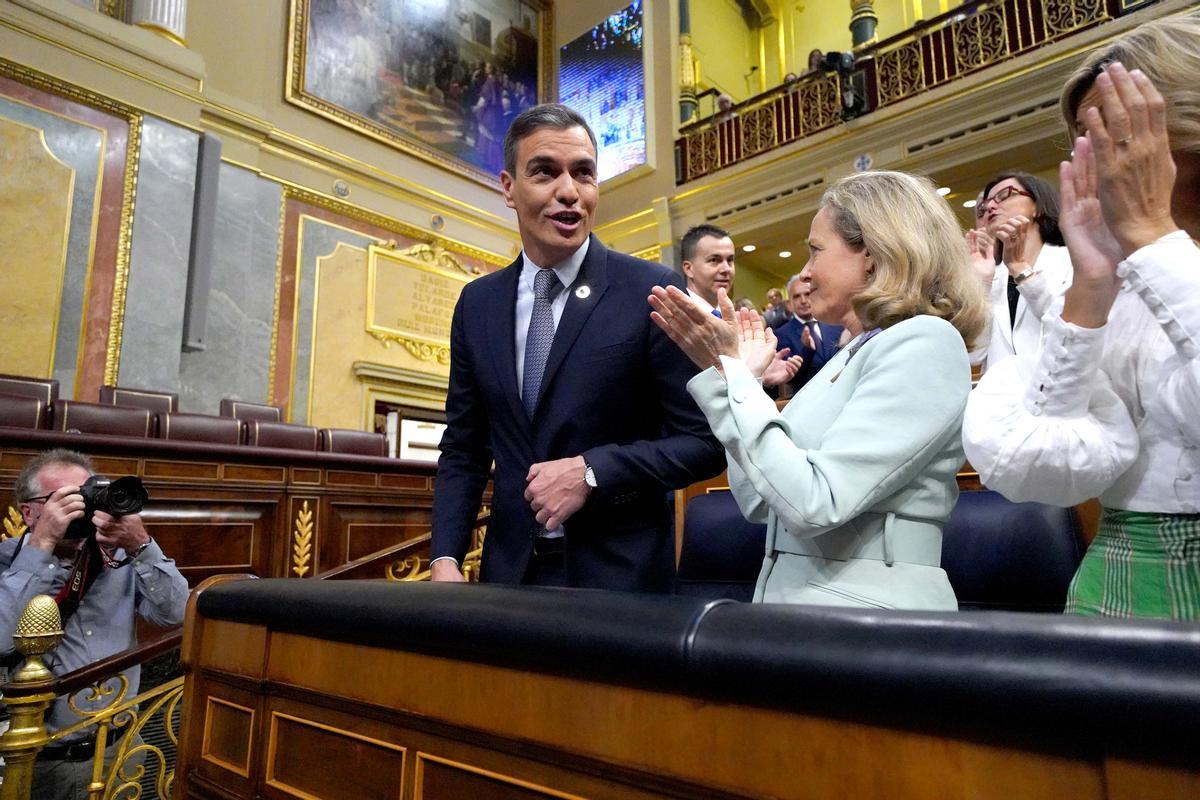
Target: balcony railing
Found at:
973, 37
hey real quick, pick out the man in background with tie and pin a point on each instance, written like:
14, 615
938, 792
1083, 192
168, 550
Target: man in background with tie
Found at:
708, 254
815, 341
559, 376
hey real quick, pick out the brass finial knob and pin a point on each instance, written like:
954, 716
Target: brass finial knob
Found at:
39, 630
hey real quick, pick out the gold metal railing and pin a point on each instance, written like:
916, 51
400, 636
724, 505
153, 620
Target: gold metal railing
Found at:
971, 37
117, 719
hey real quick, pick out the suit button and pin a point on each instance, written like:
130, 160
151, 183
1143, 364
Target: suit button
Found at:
739, 397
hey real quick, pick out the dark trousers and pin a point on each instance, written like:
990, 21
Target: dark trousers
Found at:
547, 565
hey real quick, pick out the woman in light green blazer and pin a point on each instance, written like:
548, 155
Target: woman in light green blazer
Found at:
856, 476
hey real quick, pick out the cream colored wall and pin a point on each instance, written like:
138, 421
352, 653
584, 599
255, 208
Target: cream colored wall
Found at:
724, 47
753, 283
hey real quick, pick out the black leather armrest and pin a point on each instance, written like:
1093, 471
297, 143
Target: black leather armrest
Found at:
607, 635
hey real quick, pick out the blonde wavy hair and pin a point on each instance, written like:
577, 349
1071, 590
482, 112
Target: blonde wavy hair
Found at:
920, 259
1168, 51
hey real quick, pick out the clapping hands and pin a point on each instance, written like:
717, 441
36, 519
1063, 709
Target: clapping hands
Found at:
1135, 173
1013, 233
701, 336
983, 255
1116, 189
736, 334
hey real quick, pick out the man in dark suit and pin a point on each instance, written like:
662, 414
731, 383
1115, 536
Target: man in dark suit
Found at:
816, 342
558, 374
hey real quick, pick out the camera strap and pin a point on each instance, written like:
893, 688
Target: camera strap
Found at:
85, 570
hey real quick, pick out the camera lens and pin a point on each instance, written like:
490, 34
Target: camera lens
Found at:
126, 496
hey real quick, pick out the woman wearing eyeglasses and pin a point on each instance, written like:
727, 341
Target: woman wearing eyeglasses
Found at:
1030, 268
1110, 407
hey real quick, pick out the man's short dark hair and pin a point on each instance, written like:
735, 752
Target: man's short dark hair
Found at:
546, 115
27, 486
687, 245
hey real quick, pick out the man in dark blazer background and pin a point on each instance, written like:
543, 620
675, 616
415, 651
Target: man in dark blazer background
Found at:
814, 341
558, 374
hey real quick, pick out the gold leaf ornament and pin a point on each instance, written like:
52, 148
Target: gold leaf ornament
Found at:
14, 525
302, 541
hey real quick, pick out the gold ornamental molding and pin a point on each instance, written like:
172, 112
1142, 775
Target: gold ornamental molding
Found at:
900, 73
280, 240
411, 295
47, 83
116, 325
14, 525
302, 541
421, 351
169, 35
113, 8
351, 211
758, 130
981, 39
651, 253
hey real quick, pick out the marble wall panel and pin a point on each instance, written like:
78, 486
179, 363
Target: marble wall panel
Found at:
158, 268
80, 147
318, 240
242, 296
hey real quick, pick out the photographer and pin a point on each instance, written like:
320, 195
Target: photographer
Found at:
101, 571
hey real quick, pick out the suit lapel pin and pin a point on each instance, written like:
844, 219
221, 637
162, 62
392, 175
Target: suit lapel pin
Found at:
583, 292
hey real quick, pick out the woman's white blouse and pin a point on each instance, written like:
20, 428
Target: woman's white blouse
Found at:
1111, 412
1040, 294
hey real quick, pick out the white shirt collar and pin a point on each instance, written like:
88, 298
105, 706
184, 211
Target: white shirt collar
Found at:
567, 271
700, 301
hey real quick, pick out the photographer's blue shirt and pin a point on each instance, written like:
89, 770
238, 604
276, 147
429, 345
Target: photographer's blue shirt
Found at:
104, 624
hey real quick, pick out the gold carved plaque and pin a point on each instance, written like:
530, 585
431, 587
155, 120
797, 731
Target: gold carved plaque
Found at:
411, 296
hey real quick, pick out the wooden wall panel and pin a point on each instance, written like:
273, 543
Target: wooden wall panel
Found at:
312, 759
218, 510
360, 527
442, 779
211, 536
228, 735
227, 750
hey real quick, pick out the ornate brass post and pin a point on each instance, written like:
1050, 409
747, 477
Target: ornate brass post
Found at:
862, 22
38, 631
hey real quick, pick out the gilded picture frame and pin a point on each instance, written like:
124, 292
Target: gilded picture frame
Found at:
418, 75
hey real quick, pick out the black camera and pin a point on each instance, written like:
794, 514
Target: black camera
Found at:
120, 497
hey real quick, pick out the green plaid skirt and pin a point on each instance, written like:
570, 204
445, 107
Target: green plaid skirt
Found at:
1140, 565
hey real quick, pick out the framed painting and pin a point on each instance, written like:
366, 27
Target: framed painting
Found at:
438, 79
